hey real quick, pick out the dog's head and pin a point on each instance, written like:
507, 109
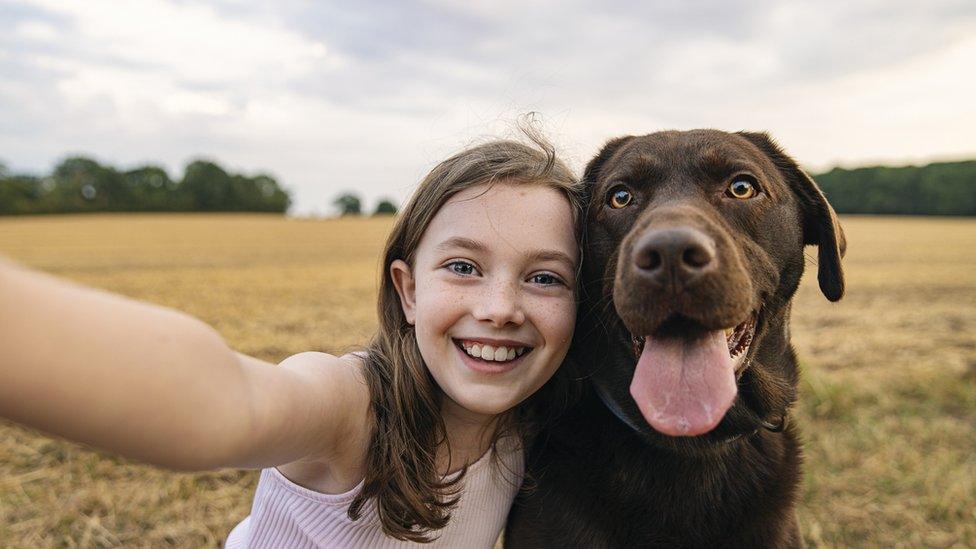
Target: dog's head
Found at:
694, 249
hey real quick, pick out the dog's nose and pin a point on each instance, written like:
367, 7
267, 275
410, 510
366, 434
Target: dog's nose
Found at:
674, 257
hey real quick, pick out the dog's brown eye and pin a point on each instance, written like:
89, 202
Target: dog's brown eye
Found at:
619, 197
743, 186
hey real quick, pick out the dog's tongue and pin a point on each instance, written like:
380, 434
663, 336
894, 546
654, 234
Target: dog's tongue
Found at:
684, 386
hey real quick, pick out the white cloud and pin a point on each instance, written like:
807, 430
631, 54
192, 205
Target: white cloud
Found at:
191, 42
36, 31
151, 59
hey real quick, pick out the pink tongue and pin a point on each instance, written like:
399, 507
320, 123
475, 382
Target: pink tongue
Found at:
684, 387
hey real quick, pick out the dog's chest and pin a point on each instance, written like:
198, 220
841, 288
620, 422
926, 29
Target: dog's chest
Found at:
649, 497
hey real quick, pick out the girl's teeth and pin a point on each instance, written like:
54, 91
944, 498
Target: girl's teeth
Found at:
496, 354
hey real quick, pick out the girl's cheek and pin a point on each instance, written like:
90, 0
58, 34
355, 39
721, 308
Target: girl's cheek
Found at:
559, 318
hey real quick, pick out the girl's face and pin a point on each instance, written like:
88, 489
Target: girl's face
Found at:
491, 293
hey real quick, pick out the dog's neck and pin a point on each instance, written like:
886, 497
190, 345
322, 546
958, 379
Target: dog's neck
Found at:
615, 409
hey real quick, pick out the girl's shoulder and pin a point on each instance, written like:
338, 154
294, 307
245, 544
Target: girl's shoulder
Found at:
340, 377
346, 370
340, 466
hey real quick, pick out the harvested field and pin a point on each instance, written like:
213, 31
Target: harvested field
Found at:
888, 404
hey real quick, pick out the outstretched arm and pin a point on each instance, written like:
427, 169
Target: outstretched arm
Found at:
158, 385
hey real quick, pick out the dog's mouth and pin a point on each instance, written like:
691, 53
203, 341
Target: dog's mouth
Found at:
685, 378
739, 338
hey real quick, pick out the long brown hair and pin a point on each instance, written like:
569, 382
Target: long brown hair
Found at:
412, 498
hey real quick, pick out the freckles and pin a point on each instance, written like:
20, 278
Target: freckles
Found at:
426, 283
558, 318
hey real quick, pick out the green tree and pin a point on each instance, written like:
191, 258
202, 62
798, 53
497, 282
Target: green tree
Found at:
205, 187
19, 194
81, 184
385, 207
348, 204
272, 197
257, 194
151, 189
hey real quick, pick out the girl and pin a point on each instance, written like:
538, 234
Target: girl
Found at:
415, 439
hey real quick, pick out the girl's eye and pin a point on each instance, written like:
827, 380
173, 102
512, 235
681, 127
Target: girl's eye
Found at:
619, 197
546, 279
461, 268
743, 187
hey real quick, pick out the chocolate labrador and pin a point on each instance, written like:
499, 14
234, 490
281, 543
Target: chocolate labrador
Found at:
682, 436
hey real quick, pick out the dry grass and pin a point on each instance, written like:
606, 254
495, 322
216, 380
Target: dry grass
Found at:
888, 407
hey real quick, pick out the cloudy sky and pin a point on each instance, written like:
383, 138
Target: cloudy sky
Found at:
368, 96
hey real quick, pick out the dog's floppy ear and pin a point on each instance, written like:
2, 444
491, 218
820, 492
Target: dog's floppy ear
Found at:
820, 226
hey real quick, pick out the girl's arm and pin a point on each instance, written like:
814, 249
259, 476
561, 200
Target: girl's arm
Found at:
160, 386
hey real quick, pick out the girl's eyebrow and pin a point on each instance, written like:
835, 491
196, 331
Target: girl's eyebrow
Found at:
537, 255
553, 255
462, 242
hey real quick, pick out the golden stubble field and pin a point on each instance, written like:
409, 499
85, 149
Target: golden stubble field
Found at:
888, 403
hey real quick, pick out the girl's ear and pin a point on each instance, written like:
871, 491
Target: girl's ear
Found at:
404, 283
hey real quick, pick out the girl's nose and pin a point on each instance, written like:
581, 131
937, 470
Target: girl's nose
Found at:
501, 305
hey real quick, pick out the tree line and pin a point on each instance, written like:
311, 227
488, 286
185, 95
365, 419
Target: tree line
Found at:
79, 184
940, 188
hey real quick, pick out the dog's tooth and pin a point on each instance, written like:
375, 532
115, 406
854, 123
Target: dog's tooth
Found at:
520, 351
475, 350
501, 353
511, 354
488, 352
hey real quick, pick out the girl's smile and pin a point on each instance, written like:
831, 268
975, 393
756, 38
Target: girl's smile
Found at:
493, 302
493, 349
492, 356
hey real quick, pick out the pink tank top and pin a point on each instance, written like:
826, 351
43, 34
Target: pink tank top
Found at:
285, 514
